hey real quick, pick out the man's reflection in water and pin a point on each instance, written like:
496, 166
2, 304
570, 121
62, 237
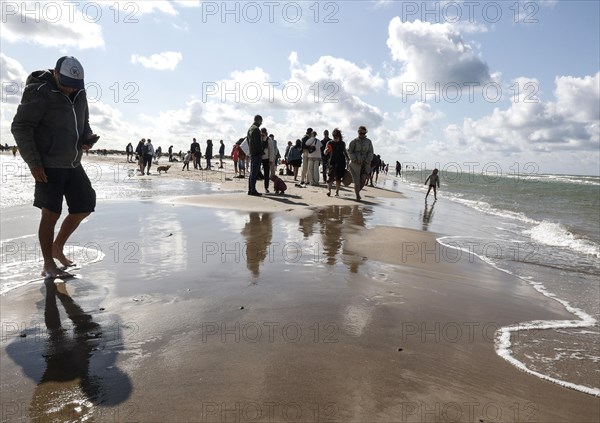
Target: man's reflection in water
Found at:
70, 387
427, 215
259, 233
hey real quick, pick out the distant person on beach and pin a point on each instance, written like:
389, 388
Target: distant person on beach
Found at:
268, 157
195, 149
158, 153
139, 152
221, 154
288, 167
186, 161
336, 157
324, 142
305, 138
51, 128
235, 156
375, 165
360, 152
314, 159
170, 151
129, 151
148, 156
433, 180
15, 149
242, 158
256, 153
294, 158
398, 169
208, 153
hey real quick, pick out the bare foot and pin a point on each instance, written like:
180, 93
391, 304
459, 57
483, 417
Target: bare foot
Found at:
57, 253
55, 272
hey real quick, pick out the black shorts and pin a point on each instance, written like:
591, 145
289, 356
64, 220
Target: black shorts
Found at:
73, 184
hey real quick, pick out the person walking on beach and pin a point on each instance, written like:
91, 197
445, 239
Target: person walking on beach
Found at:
129, 151
256, 153
170, 151
360, 152
433, 180
398, 169
221, 154
314, 159
324, 156
305, 138
139, 153
337, 157
195, 149
235, 155
186, 161
148, 156
268, 157
294, 158
208, 153
51, 128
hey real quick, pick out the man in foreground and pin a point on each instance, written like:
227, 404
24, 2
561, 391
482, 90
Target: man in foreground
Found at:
51, 128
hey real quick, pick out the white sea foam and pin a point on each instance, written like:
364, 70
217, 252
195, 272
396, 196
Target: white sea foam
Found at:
503, 334
557, 235
25, 269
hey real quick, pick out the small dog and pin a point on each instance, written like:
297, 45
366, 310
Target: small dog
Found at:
278, 185
163, 169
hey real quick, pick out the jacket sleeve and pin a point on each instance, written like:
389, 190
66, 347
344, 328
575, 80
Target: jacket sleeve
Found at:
29, 114
370, 153
351, 150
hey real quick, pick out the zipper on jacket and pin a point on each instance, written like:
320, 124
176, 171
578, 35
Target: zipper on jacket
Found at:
75, 120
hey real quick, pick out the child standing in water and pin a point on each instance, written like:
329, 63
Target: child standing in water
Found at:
433, 180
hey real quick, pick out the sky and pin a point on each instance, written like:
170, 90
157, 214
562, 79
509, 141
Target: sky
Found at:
509, 87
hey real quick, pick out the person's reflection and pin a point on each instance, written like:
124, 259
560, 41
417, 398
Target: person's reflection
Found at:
427, 215
331, 220
67, 391
259, 233
67, 357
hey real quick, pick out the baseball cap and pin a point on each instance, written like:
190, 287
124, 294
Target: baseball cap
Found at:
70, 72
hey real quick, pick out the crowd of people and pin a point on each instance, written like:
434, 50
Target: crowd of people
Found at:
309, 160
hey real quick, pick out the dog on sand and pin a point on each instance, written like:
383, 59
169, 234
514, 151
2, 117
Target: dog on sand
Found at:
163, 168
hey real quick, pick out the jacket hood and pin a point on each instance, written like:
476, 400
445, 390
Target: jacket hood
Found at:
40, 77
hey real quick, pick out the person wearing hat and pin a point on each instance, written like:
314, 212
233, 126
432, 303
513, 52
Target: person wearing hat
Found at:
360, 152
51, 128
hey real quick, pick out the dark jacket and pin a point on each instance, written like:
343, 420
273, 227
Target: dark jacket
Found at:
50, 127
254, 141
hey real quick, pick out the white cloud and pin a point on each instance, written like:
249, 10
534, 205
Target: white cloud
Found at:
167, 60
432, 53
51, 24
569, 124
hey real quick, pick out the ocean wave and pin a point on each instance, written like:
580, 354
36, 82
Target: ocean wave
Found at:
503, 335
556, 235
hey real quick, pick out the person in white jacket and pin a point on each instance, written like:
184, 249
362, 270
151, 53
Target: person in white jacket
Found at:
314, 159
268, 157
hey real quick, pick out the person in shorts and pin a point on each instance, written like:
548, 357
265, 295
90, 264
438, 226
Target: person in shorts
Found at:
51, 128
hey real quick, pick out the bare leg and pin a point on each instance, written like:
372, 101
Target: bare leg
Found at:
337, 188
46, 238
68, 226
434, 193
428, 191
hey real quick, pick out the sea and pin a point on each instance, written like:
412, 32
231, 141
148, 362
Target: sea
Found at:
543, 229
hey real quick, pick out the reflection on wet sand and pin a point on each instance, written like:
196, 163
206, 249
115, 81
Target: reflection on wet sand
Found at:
334, 221
259, 234
71, 385
427, 215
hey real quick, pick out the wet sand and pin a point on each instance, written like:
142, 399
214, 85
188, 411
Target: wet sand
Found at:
231, 308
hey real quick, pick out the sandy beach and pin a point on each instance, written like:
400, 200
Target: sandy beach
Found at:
221, 307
